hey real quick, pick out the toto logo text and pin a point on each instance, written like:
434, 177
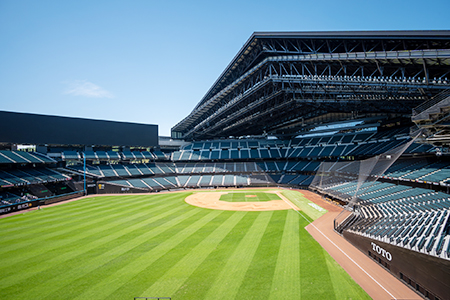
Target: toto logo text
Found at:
381, 251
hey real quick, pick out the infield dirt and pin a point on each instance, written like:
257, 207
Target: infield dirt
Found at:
212, 201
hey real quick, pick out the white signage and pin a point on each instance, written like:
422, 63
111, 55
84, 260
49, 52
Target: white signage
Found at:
381, 251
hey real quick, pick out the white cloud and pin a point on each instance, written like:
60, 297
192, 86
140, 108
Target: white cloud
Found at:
87, 89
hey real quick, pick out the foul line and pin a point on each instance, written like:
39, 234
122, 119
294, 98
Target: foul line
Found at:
310, 223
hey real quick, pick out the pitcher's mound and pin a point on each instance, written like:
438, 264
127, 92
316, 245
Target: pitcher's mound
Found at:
212, 201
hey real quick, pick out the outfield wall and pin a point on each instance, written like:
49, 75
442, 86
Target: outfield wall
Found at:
62, 197
35, 203
19, 206
426, 274
107, 188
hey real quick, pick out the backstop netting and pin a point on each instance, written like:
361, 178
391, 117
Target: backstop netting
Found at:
347, 180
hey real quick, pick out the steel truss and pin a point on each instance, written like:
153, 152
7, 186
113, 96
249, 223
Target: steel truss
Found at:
272, 93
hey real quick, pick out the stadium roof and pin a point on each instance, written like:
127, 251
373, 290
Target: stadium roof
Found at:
313, 74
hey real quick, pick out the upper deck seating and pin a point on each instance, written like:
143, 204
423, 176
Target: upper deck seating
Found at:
23, 157
419, 148
91, 155
183, 179
101, 155
241, 180
107, 171
225, 154
205, 180
425, 170
120, 170
138, 155
28, 176
128, 155
91, 170
113, 155
159, 154
144, 169
133, 170
71, 155
193, 181
17, 177
217, 180
264, 153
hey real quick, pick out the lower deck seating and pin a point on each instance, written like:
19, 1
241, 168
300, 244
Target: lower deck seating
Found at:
185, 181
27, 176
414, 218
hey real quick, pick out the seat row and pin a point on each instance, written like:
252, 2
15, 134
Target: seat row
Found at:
211, 180
424, 231
414, 218
420, 170
18, 177
22, 157
324, 139
113, 155
301, 151
140, 169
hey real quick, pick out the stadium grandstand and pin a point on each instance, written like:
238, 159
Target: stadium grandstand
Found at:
296, 110
284, 83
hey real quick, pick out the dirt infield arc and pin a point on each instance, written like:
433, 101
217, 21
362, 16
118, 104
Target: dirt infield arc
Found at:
212, 201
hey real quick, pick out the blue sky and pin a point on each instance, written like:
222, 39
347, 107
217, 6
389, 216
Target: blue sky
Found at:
152, 61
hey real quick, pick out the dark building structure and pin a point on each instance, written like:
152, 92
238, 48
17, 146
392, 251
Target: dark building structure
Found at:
17, 128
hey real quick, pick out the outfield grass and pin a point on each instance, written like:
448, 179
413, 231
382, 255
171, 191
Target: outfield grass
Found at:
120, 247
309, 208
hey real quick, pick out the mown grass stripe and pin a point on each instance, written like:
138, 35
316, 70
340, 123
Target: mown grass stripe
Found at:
157, 269
49, 215
199, 283
286, 279
124, 275
78, 285
57, 227
67, 219
315, 279
230, 278
258, 279
173, 279
39, 266
52, 213
343, 285
57, 236
50, 283
68, 223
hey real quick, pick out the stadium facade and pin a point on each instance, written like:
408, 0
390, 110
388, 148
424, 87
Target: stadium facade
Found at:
292, 109
282, 83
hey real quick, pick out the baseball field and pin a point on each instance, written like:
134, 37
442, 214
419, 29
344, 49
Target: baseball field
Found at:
126, 246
